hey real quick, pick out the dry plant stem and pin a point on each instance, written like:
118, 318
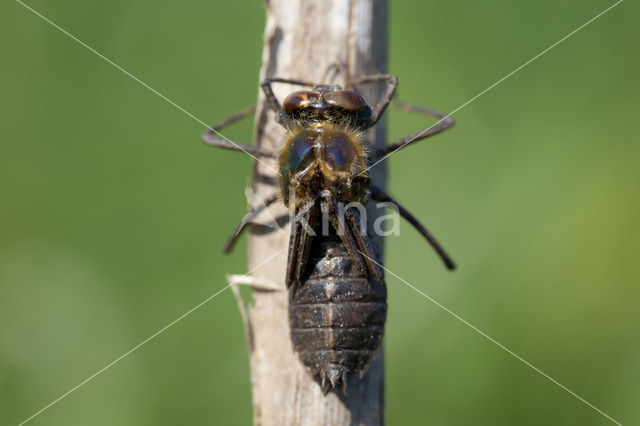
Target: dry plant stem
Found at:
302, 40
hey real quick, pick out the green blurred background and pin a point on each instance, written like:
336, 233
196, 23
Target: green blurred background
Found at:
112, 213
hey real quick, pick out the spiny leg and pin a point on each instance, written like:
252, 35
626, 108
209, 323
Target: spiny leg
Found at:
362, 240
268, 90
385, 99
378, 194
443, 124
212, 138
246, 220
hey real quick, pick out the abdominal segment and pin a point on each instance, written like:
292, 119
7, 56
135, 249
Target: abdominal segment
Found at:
337, 315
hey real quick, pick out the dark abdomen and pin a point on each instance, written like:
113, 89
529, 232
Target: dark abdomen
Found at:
337, 314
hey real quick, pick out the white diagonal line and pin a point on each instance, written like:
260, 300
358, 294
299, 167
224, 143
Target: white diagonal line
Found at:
491, 339
142, 83
88, 379
501, 80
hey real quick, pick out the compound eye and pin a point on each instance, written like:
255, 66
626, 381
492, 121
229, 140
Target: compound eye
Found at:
347, 100
299, 100
338, 151
300, 152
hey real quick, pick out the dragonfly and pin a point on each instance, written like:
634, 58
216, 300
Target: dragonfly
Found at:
337, 293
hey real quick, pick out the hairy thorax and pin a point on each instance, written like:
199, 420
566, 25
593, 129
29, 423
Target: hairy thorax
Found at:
321, 156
